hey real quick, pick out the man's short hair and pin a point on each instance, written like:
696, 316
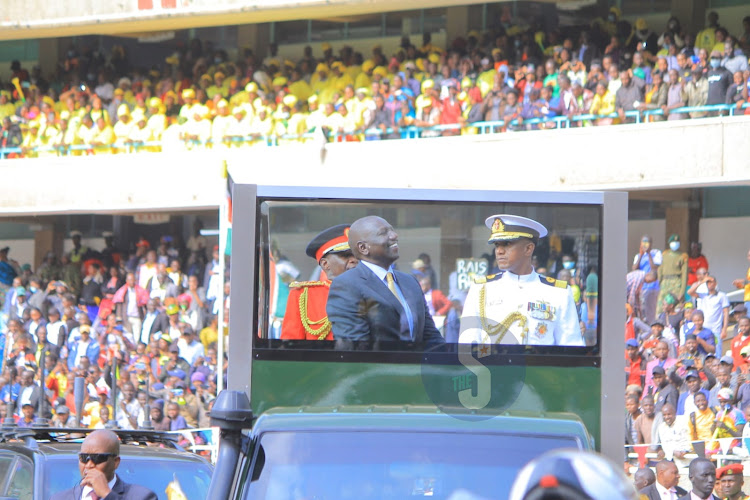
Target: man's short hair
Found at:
697, 462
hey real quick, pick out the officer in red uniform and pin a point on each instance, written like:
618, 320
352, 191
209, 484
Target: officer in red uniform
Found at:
305, 317
730, 481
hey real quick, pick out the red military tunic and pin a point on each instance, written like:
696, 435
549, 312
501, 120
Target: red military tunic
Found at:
305, 317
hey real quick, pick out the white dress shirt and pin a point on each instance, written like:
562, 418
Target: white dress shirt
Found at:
88, 490
664, 493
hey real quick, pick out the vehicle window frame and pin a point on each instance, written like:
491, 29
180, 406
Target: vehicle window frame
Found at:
22, 461
247, 465
155, 459
5, 479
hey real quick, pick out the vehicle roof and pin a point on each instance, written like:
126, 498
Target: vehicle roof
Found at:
57, 450
421, 419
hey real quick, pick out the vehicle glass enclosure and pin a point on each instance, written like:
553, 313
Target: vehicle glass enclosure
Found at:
392, 465
155, 474
452, 233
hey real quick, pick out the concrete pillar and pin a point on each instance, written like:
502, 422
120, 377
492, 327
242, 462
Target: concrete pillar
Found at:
254, 36
691, 13
677, 222
47, 237
456, 23
49, 54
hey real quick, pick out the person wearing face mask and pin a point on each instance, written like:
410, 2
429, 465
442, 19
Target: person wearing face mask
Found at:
569, 264
719, 80
672, 273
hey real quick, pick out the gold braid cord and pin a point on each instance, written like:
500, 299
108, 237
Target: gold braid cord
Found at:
502, 327
324, 326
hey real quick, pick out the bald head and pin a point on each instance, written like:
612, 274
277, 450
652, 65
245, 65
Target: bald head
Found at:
97, 443
361, 229
105, 440
664, 465
644, 477
667, 474
372, 239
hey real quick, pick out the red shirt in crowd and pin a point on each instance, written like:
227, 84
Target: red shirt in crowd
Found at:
737, 344
693, 265
629, 329
451, 111
636, 372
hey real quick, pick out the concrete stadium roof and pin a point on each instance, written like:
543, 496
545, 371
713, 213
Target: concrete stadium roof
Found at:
37, 19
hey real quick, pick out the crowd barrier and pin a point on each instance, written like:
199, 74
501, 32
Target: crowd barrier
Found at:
410, 132
204, 441
641, 455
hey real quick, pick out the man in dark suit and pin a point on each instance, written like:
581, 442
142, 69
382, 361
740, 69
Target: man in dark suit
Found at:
97, 462
702, 474
154, 321
43, 345
29, 393
373, 302
665, 487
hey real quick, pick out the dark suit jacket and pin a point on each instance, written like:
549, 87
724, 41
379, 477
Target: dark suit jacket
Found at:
50, 348
361, 307
35, 401
121, 491
667, 395
160, 324
653, 494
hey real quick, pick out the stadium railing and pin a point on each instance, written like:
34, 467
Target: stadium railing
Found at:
410, 132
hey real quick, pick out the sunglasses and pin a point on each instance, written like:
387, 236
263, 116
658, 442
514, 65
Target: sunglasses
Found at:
97, 458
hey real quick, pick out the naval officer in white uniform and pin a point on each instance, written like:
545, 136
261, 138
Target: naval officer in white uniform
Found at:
518, 305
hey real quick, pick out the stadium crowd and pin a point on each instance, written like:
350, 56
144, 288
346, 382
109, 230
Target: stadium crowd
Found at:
96, 103
686, 359
140, 327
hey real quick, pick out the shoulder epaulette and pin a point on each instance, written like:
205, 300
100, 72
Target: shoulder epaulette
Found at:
304, 284
486, 279
553, 282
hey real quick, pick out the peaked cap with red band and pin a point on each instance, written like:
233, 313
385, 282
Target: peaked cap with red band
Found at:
334, 239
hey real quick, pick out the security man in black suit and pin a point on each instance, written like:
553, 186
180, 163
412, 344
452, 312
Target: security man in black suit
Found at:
665, 487
702, 474
97, 462
374, 302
